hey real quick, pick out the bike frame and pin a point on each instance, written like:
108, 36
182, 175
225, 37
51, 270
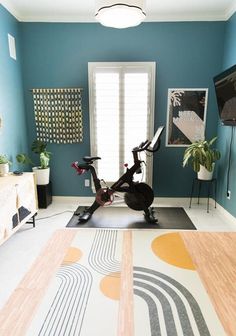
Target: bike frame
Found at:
127, 177
138, 196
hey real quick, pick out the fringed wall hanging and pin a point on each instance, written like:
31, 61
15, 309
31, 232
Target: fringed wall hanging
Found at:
58, 115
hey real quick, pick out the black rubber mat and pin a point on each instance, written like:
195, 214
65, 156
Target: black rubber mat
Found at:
125, 218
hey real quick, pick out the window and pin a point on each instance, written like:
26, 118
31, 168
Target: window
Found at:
121, 97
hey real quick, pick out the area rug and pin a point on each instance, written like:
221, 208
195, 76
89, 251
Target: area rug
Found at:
126, 283
125, 218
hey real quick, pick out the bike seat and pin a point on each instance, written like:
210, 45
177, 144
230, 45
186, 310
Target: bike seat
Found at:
90, 159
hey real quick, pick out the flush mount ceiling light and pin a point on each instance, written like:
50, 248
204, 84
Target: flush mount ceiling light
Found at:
122, 14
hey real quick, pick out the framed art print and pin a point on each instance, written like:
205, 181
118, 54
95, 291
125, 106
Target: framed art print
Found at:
186, 116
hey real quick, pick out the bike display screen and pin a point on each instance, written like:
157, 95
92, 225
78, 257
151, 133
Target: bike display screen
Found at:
156, 138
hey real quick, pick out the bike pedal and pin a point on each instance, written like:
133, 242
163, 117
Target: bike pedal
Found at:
85, 217
78, 212
150, 219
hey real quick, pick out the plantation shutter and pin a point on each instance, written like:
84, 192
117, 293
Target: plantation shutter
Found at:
121, 114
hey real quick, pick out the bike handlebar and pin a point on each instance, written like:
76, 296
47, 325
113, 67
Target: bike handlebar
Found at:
156, 147
154, 144
144, 147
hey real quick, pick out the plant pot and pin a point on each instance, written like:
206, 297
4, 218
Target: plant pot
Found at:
205, 174
4, 169
42, 175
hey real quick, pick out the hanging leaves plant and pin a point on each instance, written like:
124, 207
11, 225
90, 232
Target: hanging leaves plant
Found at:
201, 153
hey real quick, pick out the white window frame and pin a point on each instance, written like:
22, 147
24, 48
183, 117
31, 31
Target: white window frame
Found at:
151, 66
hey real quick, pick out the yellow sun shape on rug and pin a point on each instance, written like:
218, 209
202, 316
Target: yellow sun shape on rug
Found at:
73, 255
110, 286
171, 249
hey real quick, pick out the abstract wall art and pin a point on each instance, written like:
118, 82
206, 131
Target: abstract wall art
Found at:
186, 116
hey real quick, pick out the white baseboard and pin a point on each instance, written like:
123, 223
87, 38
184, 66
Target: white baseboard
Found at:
171, 201
161, 201
158, 201
72, 199
225, 213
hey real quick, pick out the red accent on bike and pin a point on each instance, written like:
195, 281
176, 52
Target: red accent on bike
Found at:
104, 196
77, 168
125, 165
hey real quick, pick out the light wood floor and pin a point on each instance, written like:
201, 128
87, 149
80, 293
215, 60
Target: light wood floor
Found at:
214, 255
18, 312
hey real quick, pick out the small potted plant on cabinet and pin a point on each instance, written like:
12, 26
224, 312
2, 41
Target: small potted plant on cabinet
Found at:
42, 171
4, 165
202, 157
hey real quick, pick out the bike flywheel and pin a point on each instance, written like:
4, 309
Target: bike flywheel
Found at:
141, 198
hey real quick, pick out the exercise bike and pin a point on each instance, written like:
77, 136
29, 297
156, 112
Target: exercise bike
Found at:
137, 195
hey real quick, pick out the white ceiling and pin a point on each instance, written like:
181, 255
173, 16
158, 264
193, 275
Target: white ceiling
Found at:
83, 10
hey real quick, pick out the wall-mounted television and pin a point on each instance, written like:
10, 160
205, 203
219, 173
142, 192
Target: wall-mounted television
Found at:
225, 88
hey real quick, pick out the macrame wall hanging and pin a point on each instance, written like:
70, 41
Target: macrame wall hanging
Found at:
58, 115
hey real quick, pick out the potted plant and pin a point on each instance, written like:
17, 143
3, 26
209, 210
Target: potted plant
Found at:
42, 171
201, 156
4, 165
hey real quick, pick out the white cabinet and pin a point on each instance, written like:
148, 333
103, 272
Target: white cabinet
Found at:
18, 202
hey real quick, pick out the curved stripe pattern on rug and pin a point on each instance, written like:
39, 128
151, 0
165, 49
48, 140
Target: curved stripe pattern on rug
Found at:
153, 287
99, 291
102, 254
67, 310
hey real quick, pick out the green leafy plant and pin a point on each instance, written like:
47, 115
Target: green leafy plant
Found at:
4, 159
201, 153
23, 159
38, 147
44, 159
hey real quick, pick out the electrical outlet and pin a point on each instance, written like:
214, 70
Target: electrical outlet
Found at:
228, 194
86, 182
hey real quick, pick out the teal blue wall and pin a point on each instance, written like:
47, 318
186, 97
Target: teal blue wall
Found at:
224, 132
13, 135
187, 55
